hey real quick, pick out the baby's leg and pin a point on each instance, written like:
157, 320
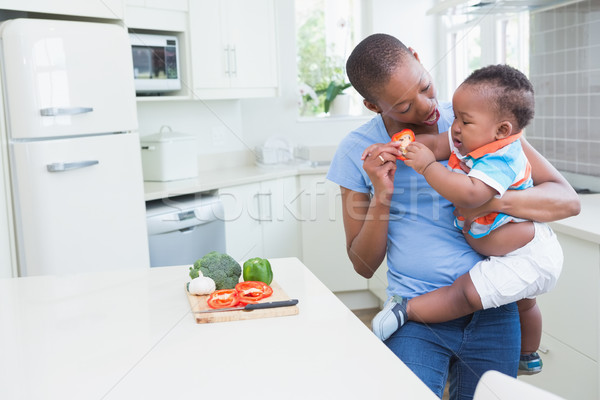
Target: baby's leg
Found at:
504, 239
446, 303
531, 325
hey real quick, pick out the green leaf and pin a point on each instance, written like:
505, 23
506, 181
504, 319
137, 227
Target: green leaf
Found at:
333, 90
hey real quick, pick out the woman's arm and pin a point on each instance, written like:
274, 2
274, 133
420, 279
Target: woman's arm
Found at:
366, 225
366, 217
552, 198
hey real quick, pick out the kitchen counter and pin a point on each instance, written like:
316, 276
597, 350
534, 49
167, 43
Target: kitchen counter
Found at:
216, 179
586, 225
130, 335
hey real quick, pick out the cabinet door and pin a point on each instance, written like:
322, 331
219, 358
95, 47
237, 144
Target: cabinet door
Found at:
570, 310
209, 44
567, 372
242, 226
323, 237
110, 9
280, 218
252, 43
569, 346
233, 48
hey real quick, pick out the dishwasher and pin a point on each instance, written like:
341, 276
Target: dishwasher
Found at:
183, 229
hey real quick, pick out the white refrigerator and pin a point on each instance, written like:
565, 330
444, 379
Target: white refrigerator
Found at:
74, 152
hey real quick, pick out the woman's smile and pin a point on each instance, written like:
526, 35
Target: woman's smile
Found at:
433, 118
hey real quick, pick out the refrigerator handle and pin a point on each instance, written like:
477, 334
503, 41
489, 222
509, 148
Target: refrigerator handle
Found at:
55, 111
61, 167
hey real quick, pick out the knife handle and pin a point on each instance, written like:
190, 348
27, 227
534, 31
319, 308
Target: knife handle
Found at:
273, 304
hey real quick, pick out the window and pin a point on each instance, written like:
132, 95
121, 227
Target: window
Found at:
474, 41
326, 33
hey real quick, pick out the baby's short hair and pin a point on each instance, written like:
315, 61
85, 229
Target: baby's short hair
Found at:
510, 91
372, 63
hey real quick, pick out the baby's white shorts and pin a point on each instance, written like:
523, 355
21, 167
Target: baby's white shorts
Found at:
524, 273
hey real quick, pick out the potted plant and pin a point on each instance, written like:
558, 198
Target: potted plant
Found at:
334, 89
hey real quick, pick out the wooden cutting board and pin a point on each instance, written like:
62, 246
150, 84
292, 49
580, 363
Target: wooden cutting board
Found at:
198, 303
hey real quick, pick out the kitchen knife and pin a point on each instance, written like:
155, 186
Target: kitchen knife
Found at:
250, 307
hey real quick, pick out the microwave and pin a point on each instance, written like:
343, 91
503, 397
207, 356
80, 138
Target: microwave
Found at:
155, 63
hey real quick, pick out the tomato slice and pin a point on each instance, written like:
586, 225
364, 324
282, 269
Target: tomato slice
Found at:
223, 298
406, 136
251, 292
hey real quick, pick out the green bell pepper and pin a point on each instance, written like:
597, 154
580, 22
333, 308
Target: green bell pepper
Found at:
258, 269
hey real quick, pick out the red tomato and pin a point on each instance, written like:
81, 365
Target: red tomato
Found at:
223, 298
406, 136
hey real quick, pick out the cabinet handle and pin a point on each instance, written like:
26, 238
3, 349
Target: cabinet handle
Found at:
265, 212
543, 349
234, 70
227, 69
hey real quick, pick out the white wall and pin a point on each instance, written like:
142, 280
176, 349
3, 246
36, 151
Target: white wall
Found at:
235, 125
407, 21
216, 124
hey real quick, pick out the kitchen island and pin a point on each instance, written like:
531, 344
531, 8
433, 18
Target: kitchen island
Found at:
130, 335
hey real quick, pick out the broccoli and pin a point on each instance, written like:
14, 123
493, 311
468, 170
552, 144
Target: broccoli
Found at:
222, 268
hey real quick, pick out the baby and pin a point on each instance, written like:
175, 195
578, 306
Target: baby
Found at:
491, 107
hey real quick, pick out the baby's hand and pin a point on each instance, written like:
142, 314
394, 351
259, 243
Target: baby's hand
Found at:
419, 157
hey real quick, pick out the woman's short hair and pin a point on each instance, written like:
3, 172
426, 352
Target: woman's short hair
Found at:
372, 63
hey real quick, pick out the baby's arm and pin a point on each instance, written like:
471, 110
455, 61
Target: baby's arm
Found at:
438, 144
459, 189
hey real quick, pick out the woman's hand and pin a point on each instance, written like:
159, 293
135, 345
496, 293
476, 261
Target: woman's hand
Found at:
379, 162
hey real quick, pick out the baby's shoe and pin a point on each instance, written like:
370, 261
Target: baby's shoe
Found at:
530, 364
390, 318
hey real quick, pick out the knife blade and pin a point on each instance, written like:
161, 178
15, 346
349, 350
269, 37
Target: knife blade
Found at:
250, 307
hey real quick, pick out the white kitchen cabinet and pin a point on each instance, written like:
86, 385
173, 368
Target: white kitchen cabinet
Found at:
173, 5
233, 48
569, 346
158, 15
323, 237
280, 218
261, 219
109, 9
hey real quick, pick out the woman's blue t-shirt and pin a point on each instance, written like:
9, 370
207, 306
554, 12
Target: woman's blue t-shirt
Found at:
424, 249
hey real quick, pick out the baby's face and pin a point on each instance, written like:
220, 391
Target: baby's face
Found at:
475, 125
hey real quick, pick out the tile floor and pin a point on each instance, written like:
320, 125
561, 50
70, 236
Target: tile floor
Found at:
366, 315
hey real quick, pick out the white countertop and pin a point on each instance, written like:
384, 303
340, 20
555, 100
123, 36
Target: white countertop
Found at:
220, 178
130, 335
586, 225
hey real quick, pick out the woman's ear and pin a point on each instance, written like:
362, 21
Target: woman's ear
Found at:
414, 53
372, 107
505, 129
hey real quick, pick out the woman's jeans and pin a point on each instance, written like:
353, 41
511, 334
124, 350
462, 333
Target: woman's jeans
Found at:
461, 350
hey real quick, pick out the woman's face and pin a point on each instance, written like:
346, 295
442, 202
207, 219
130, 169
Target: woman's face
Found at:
409, 96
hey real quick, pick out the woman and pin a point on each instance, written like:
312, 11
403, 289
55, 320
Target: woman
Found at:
389, 210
